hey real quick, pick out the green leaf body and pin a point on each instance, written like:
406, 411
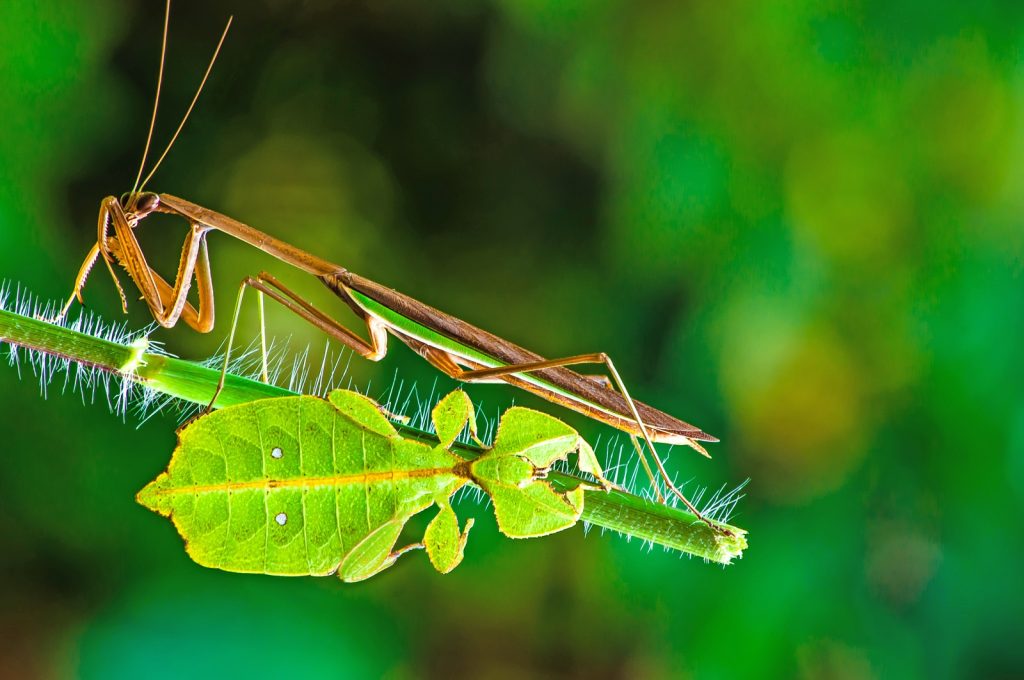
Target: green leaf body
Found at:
308, 486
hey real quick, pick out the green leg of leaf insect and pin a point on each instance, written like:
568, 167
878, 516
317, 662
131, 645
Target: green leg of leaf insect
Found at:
373, 554
450, 417
444, 542
362, 410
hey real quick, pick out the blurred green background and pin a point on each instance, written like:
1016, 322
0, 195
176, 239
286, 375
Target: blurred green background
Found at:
797, 225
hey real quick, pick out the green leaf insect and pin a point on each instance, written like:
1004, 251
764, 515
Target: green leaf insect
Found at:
302, 485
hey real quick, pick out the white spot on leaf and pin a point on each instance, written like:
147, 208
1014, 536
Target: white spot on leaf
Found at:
281, 518
277, 452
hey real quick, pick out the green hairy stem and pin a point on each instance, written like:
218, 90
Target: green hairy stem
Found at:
615, 510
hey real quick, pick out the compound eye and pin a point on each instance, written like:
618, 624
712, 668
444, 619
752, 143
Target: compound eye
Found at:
147, 203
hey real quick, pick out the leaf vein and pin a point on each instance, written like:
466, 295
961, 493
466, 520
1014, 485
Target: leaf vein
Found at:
303, 491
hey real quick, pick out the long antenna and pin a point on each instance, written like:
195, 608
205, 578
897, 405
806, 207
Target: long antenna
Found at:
199, 90
156, 102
